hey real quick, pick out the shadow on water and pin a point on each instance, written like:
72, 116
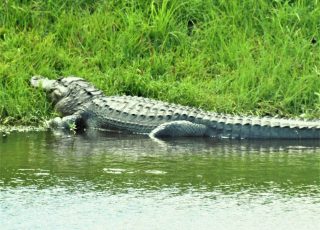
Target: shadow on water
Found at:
118, 162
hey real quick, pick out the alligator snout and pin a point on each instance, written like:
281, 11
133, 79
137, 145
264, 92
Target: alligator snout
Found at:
35, 80
40, 81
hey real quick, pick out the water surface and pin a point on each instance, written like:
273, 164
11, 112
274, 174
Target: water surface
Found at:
118, 181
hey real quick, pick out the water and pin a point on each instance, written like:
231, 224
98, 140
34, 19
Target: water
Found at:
119, 181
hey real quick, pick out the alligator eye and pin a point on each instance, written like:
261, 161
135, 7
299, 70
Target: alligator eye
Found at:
60, 79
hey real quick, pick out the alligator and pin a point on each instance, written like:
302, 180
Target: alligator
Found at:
84, 107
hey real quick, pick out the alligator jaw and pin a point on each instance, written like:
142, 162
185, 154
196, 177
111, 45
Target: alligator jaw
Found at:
42, 82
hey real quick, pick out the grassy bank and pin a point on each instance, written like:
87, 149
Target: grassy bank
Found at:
257, 57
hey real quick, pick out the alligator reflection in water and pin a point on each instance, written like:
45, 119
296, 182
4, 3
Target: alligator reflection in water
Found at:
183, 163
143, 145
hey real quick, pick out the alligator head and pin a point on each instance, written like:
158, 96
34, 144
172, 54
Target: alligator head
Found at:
67, 94
55, 89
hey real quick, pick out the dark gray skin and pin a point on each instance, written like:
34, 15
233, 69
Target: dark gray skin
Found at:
83, 106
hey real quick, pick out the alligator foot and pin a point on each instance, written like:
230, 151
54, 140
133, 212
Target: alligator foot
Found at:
179, 129
67, 123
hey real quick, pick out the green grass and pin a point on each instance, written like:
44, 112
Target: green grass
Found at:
257, 57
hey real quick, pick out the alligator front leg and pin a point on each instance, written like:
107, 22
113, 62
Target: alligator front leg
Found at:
68, 123
179, 129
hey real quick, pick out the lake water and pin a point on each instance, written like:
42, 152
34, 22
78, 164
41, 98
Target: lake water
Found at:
118, 181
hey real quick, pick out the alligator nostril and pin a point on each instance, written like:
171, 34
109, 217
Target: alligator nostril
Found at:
36, 77
34, 81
